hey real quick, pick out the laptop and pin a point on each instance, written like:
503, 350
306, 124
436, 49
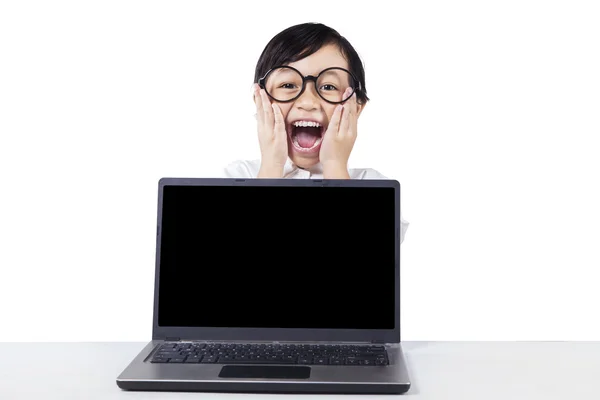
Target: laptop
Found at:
275, 286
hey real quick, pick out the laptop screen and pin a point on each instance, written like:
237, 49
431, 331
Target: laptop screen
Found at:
277, 257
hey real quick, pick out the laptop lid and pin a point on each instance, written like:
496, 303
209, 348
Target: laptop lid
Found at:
277, 260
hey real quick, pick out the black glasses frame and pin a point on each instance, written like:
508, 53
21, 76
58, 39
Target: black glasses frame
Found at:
355, 88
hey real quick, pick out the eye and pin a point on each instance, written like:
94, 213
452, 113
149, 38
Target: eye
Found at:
287, 86
331, 87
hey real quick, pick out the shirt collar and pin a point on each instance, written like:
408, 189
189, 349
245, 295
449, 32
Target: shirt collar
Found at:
291, 167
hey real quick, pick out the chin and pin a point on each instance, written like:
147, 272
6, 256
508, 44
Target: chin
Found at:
303, 161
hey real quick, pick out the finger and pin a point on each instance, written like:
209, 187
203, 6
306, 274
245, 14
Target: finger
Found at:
345, 123
347, 93
354, 101
334, 124
351, 110
258, 101
279, 124
354, 116
267, 111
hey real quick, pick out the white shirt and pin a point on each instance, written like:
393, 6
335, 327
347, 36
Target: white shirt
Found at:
250, 168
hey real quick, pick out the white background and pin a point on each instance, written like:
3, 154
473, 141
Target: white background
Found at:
486, 112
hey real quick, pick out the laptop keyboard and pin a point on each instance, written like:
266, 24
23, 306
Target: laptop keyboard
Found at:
232, 353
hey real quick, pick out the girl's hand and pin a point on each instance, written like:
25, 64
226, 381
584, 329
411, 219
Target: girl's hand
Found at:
339, 139
272, 136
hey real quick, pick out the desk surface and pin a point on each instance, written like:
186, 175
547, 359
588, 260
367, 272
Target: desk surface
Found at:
439, 370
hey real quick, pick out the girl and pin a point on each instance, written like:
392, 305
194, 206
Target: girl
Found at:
309, 90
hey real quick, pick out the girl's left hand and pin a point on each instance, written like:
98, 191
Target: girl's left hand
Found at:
339, 138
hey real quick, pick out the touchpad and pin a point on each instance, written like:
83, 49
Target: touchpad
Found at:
265, 371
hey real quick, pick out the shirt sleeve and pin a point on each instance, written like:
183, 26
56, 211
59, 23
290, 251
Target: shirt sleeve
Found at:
403, 227
239, 169
370, 173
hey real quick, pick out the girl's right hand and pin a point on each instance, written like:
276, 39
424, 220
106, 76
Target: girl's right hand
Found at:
272, 136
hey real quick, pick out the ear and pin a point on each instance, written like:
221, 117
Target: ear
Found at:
254, 85
359, 109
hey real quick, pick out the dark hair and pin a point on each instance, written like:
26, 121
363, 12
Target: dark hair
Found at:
300, 41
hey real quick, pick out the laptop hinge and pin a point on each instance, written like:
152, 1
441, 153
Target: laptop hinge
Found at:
378, 341
172, 339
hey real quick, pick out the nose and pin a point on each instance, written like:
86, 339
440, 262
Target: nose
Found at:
309, 99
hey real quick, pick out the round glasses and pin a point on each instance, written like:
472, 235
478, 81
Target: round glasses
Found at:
284, 84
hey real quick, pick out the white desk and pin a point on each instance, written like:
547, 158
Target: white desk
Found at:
439, 370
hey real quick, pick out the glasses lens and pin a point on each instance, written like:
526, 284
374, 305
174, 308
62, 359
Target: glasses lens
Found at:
283, 84
332, 85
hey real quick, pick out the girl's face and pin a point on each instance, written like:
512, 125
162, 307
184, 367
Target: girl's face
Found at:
310, 106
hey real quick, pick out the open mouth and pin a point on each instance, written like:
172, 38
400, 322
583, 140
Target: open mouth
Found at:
306, 135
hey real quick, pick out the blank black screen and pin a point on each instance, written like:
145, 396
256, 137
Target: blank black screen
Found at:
279, 257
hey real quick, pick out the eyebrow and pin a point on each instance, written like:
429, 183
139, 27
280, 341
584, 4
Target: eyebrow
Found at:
331, 66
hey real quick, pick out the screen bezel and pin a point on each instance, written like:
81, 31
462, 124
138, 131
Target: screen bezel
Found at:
278, 334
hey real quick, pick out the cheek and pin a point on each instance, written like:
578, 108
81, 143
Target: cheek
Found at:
285, 109
329, 110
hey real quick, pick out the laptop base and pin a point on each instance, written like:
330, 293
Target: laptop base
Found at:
142, 375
